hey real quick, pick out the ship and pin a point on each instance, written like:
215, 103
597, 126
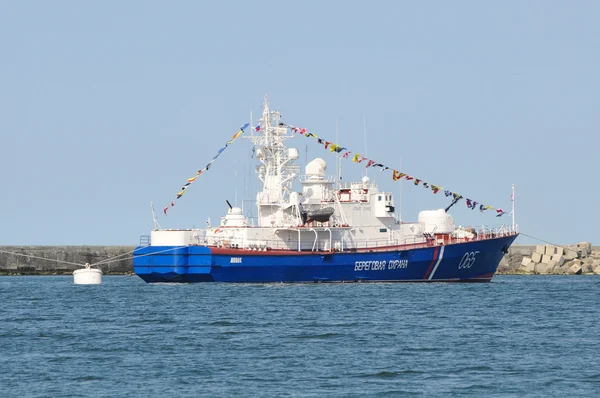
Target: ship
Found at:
326, 232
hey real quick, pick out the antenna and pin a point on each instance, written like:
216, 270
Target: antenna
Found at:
365, 134
339, 158
306, 155
237, 163
156, 225
400, 199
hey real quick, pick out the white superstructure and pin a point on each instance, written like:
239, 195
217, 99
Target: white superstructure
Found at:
319, 217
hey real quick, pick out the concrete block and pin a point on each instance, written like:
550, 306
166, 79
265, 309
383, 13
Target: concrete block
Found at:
550, 250
570, 254
575, 270
525, 261
558, 259
587, 269
546, 258
530, 268
536, 257
542, 268
559, 250
540, 249
562, 270
597, 270
583, 252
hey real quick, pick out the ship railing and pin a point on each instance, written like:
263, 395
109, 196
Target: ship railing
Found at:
417, 241
358, 185
311, 178
145, 240
487, 232
199, 238
310, 244
319, 244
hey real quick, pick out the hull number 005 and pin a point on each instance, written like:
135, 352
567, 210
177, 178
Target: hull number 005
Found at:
468, 260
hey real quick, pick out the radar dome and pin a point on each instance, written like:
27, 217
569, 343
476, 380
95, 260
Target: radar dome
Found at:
316, 167
293, 153
436, 221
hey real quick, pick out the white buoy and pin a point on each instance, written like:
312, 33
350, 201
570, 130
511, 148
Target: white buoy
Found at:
88, 276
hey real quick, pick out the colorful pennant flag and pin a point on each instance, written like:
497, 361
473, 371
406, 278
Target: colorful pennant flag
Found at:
396, 175
219, 152
357, 158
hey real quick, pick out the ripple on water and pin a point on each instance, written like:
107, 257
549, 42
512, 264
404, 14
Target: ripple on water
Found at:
222, 323
87, 378
317, 336
518, 336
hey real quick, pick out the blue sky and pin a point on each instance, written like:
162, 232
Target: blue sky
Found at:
106, 106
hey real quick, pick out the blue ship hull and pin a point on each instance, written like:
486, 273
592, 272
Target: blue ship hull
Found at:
474, 261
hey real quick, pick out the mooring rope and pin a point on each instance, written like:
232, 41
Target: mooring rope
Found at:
114, 259
103, 262
545, 241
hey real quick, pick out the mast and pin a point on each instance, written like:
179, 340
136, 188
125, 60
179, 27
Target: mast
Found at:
275, 171
512, 199
156, 225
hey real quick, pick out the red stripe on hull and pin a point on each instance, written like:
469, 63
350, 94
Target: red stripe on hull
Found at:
435, 256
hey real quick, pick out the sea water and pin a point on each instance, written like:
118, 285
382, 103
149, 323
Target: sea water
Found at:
516, 336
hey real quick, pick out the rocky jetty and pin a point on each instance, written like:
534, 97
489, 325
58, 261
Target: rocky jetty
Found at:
577, 259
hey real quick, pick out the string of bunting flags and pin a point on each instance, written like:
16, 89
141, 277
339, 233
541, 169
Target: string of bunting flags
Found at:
191, 180
396, 175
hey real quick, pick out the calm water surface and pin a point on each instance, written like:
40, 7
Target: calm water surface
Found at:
516, 336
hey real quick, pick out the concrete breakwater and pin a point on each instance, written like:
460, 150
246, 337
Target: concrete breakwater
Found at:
577, 259
60, 260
